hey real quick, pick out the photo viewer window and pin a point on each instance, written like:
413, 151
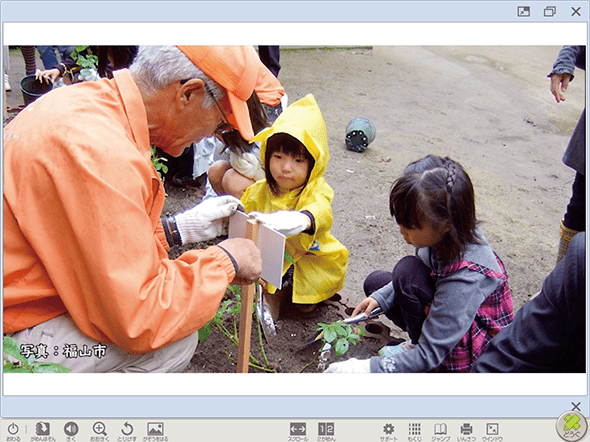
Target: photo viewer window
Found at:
394, 81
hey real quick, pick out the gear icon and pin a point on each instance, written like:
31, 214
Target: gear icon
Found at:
388, 429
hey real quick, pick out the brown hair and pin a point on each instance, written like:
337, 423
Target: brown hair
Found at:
437, 191
289, 145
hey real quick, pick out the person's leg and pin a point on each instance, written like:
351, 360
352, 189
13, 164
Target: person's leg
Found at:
48, 57
60, 340
414, 291
28, 53
270, 57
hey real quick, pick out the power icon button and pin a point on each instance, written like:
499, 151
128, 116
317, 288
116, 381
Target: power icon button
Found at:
13, 428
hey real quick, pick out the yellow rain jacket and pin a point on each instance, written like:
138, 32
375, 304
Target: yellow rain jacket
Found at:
320, 259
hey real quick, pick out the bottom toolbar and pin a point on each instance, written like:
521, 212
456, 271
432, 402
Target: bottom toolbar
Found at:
570, 426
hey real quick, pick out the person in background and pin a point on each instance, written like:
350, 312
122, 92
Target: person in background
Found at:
548, 334
85, 243
574, 220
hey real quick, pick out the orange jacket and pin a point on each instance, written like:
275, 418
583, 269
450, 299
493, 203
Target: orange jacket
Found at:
82, 231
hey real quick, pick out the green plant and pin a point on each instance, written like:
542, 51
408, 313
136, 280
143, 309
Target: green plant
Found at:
230, 308
159, 163
16, 362
343, 334
87, 62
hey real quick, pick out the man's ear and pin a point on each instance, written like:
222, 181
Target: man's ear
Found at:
191, 90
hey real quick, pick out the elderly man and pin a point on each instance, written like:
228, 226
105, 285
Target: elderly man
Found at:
85, 250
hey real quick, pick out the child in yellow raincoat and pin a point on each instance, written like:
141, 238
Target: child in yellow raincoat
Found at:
295, 200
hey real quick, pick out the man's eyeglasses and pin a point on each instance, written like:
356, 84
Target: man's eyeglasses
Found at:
223, 127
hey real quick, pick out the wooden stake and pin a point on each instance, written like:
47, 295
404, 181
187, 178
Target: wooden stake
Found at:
248, 292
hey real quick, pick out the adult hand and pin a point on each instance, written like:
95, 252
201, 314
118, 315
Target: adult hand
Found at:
350, 366
287, 222
206, 220
247, 257
367, 305
559, 84
45, 76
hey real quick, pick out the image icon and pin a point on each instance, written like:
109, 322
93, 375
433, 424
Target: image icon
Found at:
155, 428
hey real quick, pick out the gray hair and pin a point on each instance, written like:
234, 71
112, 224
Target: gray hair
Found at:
156, 67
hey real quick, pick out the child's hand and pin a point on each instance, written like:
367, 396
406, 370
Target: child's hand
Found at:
367, 305
287, 222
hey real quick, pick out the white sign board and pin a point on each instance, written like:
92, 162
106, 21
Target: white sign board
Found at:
271, 244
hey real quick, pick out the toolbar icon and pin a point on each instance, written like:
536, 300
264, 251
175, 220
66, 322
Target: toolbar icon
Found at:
492, 429
71, 428
572, 426
42, 429
326, 429
523, 11
414, 429
466, 429
550, 11
100, 428
128, 429
440, 429
388, 429
13, 428
155, 428
297, 429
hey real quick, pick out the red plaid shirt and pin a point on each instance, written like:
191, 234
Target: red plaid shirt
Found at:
493, 314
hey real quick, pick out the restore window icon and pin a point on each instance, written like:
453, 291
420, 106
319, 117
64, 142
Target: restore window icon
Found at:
523, 11
550, 11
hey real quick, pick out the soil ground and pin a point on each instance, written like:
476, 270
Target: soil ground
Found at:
487, 107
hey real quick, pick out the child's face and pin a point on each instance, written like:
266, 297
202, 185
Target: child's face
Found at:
426, 236
289, 172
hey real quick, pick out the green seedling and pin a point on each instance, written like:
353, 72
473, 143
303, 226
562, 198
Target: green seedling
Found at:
159, 164
87, 62
342, 334
15, 362
232, 308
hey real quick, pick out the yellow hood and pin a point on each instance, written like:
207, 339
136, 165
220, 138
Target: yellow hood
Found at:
302, 120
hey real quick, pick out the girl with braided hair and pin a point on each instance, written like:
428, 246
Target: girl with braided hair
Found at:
452, 297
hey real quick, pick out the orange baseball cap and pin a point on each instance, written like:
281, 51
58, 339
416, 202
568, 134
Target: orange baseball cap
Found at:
235, 68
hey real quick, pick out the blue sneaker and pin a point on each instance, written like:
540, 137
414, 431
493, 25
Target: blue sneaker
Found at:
391, 350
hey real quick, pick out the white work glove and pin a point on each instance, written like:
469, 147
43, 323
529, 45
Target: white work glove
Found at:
287, 222
206, 220
247, 164
89, 75
350, 366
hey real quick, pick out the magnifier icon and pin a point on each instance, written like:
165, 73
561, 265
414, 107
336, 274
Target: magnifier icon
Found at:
99, 428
